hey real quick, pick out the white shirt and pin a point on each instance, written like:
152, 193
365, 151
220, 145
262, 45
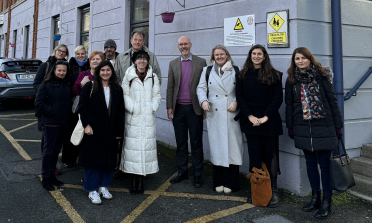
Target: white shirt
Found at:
107, 95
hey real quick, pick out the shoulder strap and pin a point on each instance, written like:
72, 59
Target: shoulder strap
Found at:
209, 68
91, 90
46, 70
152, 79
86, 73
236, 68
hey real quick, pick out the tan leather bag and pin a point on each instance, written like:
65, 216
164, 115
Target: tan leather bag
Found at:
260, 186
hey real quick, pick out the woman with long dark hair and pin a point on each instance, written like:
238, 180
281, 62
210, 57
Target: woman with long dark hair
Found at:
314, 121
259, 94
101, 109
53, 106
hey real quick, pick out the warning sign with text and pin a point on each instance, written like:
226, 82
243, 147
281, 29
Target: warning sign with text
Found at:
239, 31
277, 29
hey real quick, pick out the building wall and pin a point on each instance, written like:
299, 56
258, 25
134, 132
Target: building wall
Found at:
203, 21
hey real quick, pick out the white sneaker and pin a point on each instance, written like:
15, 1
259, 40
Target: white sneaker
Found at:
94, 197
105, 193
226, 190
219, 189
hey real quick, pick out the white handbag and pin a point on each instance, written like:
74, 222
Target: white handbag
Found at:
77, 134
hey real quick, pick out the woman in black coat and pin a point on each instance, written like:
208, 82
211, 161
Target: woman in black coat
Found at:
101, 109
259, 95
314, 121
53, 105
77, 64
59, 53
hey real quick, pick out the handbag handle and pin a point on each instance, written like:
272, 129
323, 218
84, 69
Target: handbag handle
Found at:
339, 152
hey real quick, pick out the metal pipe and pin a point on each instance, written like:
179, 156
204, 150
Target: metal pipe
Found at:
337, 54
356, 87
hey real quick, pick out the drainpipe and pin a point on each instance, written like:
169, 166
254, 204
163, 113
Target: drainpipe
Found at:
337, 54
34, 29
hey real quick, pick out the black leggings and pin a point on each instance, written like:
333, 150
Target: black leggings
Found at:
264, 149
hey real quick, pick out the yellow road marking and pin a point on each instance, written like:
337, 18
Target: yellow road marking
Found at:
15, 144
22, 127
204, 196
65, 204
221, 214
27, 140
19, 119
1, 116
147, 202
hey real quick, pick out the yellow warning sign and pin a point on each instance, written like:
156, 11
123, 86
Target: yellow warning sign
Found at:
276, 22
238, 25
277, 37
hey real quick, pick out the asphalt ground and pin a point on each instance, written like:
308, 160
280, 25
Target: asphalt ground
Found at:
22, 198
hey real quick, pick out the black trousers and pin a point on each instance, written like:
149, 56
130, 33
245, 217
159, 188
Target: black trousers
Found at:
70, 152
264, 149
185, 123
52, 143
226, 176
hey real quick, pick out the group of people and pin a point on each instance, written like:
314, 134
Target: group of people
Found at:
232, 101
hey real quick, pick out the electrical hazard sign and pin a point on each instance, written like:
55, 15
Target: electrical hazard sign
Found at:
277, 29
240, 31
276, 22
238, 25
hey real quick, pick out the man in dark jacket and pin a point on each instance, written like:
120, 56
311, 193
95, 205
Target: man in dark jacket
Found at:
110, 51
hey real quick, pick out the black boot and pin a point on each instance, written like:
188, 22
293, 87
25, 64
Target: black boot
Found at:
133, 185
55, 182
274, 202
314, 203
325, 209
47, 185
140, 185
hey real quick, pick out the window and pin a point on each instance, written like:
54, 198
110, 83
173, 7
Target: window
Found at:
84, 32
27, 40
56, 31
140, 17
15, 43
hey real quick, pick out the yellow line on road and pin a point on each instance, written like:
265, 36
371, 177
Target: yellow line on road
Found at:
27, 140
146, 203
204, 196
221, 214
19, 119
15, 144
22, 127
1, 116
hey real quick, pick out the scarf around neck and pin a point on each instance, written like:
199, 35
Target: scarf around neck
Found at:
82, 63
225, 67
311, 100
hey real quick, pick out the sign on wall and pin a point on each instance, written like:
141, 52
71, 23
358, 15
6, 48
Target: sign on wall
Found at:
277, 25
2, 19
240, 31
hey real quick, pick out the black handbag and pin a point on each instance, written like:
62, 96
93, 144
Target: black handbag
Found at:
342, 177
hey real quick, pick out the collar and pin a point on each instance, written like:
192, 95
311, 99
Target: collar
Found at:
190, 58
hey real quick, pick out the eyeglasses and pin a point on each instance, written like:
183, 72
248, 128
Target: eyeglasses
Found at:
61, 51
183, 44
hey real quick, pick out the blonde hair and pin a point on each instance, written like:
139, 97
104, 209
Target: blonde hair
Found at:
60, 46
220, 47
78, 48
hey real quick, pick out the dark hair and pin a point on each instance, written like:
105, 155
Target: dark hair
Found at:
140, 54
308, 55
97, 80
138, 31
265, 75
52, 73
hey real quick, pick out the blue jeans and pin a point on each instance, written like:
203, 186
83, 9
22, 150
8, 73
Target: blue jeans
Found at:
95, 178
323, 159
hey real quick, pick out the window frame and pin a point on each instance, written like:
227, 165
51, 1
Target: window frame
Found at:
137, 24
56, 23
83, 34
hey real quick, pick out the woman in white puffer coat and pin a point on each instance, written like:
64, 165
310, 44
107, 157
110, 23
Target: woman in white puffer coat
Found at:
142, 99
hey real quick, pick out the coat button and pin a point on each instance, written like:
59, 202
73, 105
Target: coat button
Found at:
216, 109
216, 95
225, 95
210, 82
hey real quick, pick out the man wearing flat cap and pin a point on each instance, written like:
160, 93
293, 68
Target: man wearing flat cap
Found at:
124, 61
110, 51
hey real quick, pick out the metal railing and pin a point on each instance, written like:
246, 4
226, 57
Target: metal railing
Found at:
353, 91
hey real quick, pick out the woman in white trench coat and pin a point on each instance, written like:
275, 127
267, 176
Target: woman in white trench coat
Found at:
142, 99
217, 97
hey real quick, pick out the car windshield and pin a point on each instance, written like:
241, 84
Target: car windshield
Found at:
20, 65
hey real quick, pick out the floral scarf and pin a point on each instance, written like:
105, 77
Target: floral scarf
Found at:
312, 105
